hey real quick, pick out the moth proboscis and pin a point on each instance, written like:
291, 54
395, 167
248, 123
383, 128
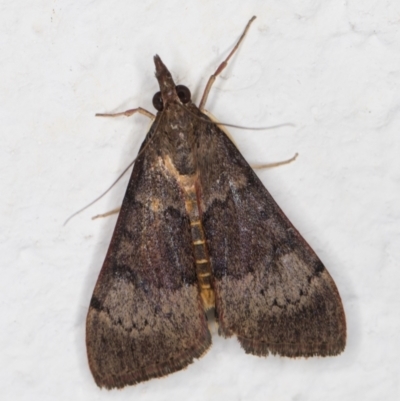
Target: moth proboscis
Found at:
198, 230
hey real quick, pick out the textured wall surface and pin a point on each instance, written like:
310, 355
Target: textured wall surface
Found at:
330, 68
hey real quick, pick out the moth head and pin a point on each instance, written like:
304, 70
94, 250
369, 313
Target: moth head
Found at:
169, 92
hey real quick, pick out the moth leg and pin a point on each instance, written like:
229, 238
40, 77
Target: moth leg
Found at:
222, 66
276, 164
128, 113
111, 212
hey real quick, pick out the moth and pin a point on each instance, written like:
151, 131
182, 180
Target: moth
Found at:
197, 230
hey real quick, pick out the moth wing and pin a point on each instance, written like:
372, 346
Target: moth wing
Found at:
271, 290
146, 318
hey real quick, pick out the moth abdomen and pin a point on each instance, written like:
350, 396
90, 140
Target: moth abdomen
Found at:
188, 184
200, 251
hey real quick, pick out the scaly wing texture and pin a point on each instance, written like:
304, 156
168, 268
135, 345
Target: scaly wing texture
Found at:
271, 289
146, 318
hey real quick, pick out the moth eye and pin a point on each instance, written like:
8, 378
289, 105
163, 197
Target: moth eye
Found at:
183, 93
158, 102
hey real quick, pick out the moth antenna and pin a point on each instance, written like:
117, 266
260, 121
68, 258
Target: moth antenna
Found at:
99, 197
255, 128
120, 176
234, 125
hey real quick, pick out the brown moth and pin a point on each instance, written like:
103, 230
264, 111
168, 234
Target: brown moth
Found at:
198, 230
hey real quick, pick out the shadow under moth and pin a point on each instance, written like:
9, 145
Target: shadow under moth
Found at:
197, 230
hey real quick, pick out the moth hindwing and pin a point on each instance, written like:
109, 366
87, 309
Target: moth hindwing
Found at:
198, 230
